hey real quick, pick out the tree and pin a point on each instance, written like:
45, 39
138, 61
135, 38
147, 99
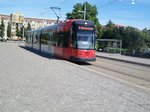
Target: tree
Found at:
91, 14
22, 31
110, 25
28, 27
75, 12
9, 30
18, 33
2, 29
108, 32
146, 36
133, 40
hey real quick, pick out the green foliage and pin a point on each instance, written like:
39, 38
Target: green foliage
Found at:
2, 29
110, 25
132, 38
99, 31
146, 36
75, 12
108, 31
9, 30
28, 27
20, 32
91, 14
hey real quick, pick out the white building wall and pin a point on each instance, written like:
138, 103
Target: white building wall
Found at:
5, 32
34, 22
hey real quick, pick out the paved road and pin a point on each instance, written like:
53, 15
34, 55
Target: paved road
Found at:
123, 58
32, 83
134, 73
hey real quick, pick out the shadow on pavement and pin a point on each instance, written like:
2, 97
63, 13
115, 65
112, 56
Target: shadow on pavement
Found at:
45, 55
82, 63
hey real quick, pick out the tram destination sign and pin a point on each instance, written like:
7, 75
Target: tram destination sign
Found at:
85, 28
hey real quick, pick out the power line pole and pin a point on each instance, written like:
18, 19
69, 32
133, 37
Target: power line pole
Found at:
23, 32
84, 12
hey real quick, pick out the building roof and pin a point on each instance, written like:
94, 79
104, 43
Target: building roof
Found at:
7, 17
4, 17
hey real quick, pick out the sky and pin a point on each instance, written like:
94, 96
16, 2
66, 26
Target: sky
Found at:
121, 12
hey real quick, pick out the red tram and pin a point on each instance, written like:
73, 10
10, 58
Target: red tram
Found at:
71, 40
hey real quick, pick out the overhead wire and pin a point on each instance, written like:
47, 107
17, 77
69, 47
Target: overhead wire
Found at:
111, 2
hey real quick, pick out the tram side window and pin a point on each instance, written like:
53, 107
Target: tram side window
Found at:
60, 39
50, 36
37, 37
66, 39
54, 39
34, 38
44, 39
63, 39
28, 38
73, 41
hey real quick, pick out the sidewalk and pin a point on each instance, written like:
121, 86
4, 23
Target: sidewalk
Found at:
128, 59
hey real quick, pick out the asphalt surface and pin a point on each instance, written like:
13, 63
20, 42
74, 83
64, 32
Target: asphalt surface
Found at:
123, 58
134, 73
33, 83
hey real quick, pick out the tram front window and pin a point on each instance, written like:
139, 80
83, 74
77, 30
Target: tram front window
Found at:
85, 40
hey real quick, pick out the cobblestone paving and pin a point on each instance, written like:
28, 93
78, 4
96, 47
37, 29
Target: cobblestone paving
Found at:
32, 83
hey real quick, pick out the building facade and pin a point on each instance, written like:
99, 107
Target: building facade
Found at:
17, 20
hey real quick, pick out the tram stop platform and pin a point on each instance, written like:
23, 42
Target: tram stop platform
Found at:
128, 59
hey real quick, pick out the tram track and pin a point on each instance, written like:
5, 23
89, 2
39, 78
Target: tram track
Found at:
122, 73
127, 66
130, 72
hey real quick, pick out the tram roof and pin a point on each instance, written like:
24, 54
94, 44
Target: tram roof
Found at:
67, 22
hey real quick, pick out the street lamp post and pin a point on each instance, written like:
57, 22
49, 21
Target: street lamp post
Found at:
84, 12
23, 32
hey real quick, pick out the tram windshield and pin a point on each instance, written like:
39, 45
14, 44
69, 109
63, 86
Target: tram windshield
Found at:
85, 40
